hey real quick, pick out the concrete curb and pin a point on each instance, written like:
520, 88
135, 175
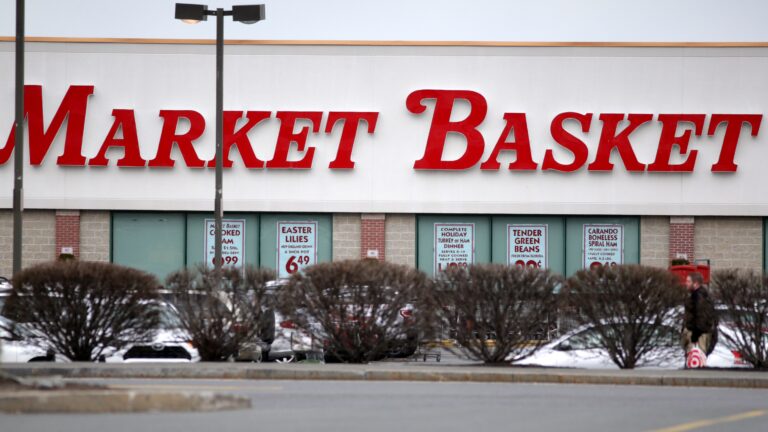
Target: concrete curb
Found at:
398, 372
116, 401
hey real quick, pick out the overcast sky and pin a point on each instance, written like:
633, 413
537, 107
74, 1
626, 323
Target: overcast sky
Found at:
473, 20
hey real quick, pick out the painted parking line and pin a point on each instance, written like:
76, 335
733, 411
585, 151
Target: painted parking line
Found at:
711, 422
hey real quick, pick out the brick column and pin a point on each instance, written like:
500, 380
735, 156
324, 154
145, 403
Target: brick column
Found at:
681, 235
372, 236
68, 232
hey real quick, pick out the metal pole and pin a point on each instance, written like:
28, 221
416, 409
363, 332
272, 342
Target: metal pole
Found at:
18, 166
219, 134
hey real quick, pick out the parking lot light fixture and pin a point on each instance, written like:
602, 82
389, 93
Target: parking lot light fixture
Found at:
18, 157
192, 14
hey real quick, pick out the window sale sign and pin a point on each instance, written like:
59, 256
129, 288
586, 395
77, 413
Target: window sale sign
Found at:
454, 245
296, 246
527, 245
603, 245
232, 242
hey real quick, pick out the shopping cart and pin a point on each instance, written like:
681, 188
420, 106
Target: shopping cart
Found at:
428, 349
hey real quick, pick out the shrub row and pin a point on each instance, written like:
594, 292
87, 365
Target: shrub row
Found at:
364, 310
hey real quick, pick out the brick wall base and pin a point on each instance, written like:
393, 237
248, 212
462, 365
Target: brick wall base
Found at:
730, 242
95, 236
346, 236
400, 239
681, 238
654, 241
372, 236
68, 232
38, 239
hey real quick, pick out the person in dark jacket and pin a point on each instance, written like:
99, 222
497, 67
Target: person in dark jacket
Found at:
700, 321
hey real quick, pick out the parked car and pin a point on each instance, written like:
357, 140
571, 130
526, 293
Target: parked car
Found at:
5, 284
292, 343
16, 350
13, 348
729, 321
170, 343
254, 350
580, 348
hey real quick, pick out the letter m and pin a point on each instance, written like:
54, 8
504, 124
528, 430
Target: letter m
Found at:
72, 108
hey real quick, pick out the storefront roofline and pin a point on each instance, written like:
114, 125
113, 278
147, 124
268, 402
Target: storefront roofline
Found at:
387, 207
392, 42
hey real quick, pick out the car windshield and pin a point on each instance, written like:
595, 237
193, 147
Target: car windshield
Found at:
201, 299
587, 339
729, 316
590, 338
168, 317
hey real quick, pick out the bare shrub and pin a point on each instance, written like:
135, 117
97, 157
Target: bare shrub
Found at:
355, 306
224, 318
80, 309
497, 313
744, 296
634, 310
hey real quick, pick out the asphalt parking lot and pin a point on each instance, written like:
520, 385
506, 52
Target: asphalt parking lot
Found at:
429, 406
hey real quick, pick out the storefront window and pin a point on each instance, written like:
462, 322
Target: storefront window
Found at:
533, 241
563, 244
161, 243
594, 241
240, 239
765, 244
153, 242
452, 241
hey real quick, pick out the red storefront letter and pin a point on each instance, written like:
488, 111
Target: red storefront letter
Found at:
521, 145
610, 140
288, 135
73, 107
442, 125
168, 136
125, 121
732, 131
670, 138
570, 142
240, 139
348, 133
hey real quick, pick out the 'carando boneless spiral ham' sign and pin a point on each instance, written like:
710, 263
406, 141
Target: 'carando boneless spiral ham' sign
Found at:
603, 245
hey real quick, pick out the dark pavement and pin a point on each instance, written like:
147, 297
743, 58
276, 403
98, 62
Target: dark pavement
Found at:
430, 406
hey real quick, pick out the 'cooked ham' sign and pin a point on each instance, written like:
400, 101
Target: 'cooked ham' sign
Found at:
677, 133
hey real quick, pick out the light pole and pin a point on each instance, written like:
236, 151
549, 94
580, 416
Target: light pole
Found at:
18, 159
193, 14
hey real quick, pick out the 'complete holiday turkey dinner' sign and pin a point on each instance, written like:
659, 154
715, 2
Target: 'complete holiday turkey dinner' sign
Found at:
454, 245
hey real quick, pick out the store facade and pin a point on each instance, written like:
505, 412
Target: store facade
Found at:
433, 156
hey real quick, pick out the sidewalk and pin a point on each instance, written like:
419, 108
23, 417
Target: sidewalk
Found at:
397, 371
32, 396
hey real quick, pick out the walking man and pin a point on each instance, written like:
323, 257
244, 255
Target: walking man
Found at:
700, 322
